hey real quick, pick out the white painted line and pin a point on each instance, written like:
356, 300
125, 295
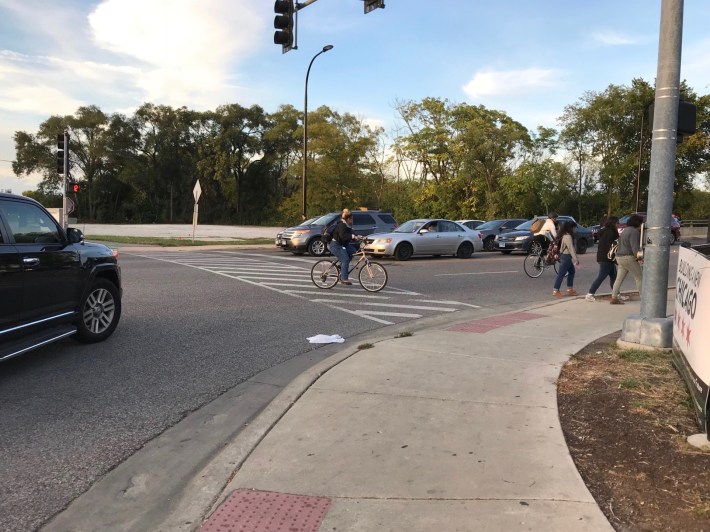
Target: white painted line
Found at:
335, 293
402, 291
260, 278
276, 284
393, 305
444, 302
369, 313
475, 273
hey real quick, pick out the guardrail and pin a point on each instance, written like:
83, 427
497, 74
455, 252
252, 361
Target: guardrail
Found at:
694, 223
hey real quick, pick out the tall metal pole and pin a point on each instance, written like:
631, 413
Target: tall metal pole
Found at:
638, 175
65, 215
305, 132
663, 152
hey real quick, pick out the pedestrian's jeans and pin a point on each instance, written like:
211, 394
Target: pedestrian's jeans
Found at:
566, 267
627, 263
343, 254
606, 269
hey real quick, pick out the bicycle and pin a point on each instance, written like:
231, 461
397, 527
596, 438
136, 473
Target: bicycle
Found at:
372, 275
536, 262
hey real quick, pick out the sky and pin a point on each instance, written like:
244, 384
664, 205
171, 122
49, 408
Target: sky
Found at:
529, 58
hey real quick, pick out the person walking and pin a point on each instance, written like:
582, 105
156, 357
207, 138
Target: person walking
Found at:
568, 260
547, 233
628, 257
608, 234
341, 245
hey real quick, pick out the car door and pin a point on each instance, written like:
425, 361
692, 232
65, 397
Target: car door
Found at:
450, 237
50, 267
427, 242
10, 282
363, 223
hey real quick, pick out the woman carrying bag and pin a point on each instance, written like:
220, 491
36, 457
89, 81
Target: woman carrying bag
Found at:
628, 257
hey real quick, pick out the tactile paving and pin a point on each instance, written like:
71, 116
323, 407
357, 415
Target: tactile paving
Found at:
483, 325
267, 511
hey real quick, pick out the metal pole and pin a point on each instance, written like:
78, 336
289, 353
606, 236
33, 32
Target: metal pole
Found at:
663, 151
638, 175
65, 216
305, 133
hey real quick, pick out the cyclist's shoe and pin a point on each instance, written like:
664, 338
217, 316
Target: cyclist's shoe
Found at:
557, 293
346, 282
572, 292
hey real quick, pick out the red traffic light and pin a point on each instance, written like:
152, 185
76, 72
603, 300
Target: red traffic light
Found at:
75, 188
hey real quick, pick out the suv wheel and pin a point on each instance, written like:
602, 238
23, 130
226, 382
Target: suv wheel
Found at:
582, 246
100, 311
316, 247
489, 244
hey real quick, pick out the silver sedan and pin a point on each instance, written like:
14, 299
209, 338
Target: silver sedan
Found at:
425, 236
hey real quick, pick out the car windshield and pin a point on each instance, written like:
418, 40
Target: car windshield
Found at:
326, 219
309, 221
412, 226
493, 224
624, 219
525, 226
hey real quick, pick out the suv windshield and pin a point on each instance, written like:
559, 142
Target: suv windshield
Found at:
410, 227
525, 226
326, 219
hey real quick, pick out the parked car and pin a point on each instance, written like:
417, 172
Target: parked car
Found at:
425, 236
52, 283
303, 239
674, 223
471, 224
521, 238
279, 236
491, 229
595, 232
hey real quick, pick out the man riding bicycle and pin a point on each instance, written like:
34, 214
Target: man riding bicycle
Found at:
341, 246
547, 233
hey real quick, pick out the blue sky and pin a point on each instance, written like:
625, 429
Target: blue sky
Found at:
526, 57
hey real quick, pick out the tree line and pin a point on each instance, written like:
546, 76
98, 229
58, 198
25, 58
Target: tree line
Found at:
446, 159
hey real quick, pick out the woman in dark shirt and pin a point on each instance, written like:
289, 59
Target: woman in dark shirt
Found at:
607, 267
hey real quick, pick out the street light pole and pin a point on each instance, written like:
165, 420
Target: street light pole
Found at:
305, 131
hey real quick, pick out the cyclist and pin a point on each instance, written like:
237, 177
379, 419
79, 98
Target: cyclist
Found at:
547, 232
342, 245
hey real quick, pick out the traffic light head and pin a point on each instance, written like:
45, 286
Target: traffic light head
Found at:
283, 23
60, 153
75, 188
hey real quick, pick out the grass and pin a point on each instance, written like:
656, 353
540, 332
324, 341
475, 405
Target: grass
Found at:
365, 346
404, 334
174, 242
636, 355
631, 383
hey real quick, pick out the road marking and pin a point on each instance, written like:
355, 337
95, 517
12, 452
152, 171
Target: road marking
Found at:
395, 305
370, 313
335, 293
444, 302
474, 273
267, 277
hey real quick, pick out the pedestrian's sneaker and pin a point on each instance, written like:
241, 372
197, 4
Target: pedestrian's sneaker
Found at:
590, 297
622, 297
557, 293
616, 301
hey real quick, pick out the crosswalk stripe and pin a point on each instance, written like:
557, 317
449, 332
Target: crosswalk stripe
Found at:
391, 314
336, 293
444, 302
256, 277
395, 305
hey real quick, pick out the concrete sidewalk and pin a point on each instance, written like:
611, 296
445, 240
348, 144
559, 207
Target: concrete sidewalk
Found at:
453, 428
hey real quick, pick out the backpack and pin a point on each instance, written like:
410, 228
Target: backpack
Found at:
611, 255
537, 225
553, 251
326, 235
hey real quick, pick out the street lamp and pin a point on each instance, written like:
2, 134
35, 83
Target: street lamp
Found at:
305, 129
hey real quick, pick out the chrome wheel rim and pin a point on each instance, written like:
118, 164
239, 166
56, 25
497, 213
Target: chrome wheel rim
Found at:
99, 310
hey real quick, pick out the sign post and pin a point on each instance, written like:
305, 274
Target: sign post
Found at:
197, 191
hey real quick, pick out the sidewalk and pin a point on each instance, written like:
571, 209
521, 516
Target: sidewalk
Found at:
453, 428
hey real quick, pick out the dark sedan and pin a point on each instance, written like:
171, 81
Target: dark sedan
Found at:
493, 228
521, 238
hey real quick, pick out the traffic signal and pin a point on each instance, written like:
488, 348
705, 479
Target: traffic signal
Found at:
73, 187
60, 153
283, 23
371, 5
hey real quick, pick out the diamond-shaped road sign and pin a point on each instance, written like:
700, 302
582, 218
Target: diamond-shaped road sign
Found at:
197, 191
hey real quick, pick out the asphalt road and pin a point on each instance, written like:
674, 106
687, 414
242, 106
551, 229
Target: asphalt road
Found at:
196, 325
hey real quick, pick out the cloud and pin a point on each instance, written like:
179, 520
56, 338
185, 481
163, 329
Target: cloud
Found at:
695, 66
184, 50
612, 38
509, 82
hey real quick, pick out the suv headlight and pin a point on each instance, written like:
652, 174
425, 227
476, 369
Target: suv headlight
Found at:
521, 238
301, 232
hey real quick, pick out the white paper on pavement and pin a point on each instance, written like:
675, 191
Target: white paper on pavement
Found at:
326, 339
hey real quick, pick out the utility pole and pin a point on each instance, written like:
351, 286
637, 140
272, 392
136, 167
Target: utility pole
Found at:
652, 327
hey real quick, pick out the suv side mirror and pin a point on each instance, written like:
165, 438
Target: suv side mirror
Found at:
75, 235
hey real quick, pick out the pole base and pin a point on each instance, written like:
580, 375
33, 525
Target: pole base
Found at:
655, 333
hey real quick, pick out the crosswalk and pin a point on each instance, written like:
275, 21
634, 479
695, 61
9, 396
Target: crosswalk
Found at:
293, 278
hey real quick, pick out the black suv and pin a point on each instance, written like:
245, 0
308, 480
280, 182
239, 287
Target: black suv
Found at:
52, 283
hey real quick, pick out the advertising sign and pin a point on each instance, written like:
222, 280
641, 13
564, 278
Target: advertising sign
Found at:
691, 330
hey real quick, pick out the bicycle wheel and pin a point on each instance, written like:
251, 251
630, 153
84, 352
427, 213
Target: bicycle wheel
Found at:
536, 248
372, 276
325, 274
534, 265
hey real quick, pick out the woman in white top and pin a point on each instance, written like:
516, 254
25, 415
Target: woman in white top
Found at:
568, 260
